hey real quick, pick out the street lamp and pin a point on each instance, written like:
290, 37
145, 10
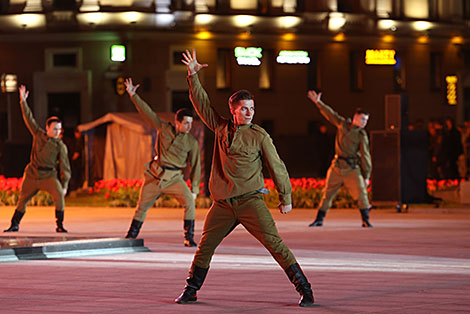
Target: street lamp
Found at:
9, 84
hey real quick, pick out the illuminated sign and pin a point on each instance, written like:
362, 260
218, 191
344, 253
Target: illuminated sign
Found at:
451, 81
249, 55
293, 57
380, 57
9, 83
118, 53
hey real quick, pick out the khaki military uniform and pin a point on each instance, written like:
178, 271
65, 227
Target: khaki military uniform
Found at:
164, 174
49, 168
352, 162
236, 181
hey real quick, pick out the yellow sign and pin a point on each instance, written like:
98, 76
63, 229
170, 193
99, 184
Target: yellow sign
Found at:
451, 81
380, 57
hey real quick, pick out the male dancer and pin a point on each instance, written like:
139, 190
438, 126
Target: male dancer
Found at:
175, 148
351, 165
47, 154
236, 183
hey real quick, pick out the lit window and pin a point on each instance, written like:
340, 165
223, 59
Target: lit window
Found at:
417, 9
244, 4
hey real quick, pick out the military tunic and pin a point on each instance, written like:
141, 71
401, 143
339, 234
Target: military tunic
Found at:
164, 174
236, 180
352, 162
49, 168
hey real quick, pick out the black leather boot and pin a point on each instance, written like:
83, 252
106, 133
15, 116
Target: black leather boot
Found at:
319, 220
193, 284
15, 222
297, 277
189, 233
134, 229
365, 218
59, 215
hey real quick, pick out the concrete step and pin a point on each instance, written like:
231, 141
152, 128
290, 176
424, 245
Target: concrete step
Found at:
34, 248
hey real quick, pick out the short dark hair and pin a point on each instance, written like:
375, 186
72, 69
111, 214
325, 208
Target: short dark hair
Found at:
52, 120
183, 112
360, 110
242, 94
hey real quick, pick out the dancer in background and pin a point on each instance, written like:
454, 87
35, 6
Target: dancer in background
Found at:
175, 148
49, 168
351, 165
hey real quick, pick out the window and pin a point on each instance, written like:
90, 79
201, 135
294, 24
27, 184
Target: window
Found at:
224, 68
313, 72
436, 71
63, 59
356, 70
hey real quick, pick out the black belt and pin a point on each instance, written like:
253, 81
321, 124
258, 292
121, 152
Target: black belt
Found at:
351, 161
45, 168
165, 166
170, 168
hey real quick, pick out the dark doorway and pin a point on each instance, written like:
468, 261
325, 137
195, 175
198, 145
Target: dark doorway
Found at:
180, 99
66, 106
466, 103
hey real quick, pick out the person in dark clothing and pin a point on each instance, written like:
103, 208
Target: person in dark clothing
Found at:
452, 149
326, 141
77, 160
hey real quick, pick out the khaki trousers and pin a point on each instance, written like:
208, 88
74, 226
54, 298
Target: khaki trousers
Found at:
249, 210
154, 187
351, 179
30, 187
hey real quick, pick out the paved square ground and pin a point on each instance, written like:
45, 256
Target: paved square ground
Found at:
418, 262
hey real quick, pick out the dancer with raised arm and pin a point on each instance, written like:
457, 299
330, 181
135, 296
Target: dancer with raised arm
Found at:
175, 148
351, 165
237, 185
49, 168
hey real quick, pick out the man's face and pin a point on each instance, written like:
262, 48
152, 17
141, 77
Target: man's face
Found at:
184, 126
360, 120
243, 111
53, 129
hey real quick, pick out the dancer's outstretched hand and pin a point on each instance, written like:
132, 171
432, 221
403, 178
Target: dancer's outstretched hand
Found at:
191, 62
131, 88
313, 96
23, 92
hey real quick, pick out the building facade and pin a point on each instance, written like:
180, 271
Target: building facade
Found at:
355, 52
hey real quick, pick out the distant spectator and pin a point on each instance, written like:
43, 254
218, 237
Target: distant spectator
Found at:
466, 147
434, 149
326, 141
451, 150
77, 160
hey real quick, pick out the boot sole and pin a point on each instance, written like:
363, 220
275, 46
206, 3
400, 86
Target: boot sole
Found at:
186, 302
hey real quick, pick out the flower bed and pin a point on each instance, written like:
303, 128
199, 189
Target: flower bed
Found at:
306, 193
125, 193
442, 185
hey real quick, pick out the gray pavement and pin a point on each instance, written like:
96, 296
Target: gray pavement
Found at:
416, 262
